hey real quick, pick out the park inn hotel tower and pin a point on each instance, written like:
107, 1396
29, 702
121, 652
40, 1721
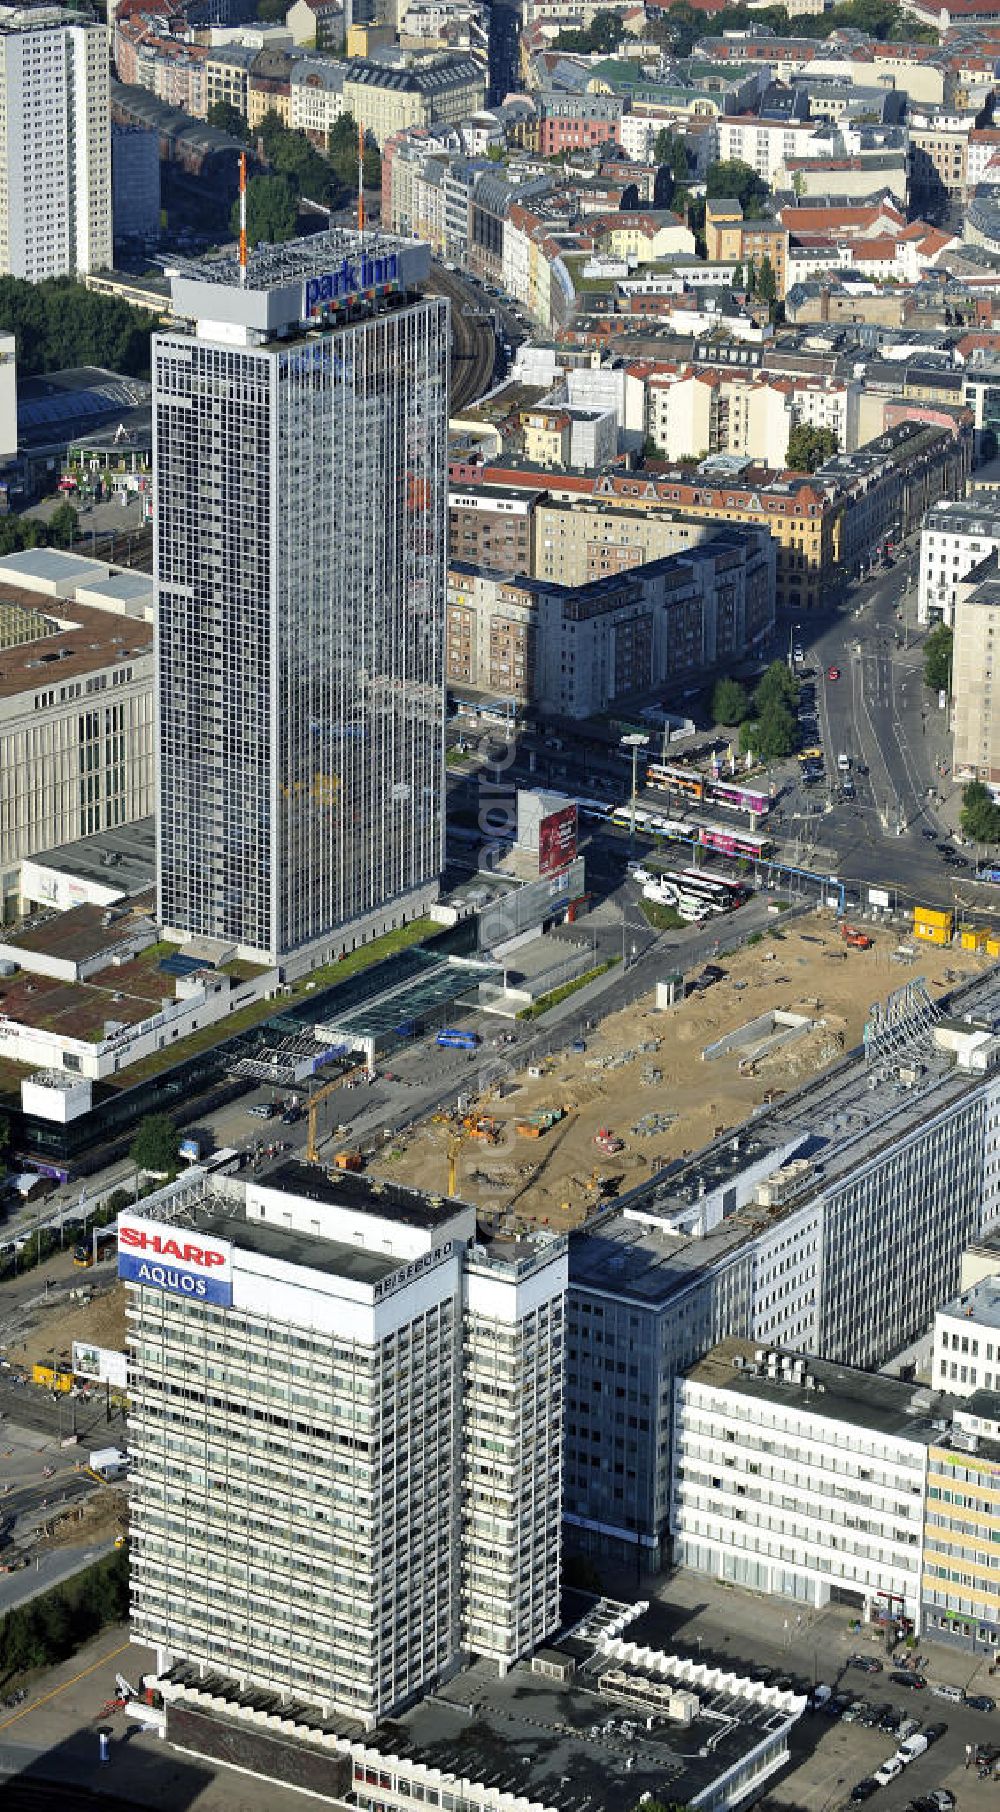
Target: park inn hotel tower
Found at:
300, 426
345, 1437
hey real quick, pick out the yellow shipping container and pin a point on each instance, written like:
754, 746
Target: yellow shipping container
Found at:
56, 1380
932, 915
993, 945
931, 934
974, 940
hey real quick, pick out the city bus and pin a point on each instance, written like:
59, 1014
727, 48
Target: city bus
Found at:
735, 798
745, 846
674, 779
718, 892
458, 1041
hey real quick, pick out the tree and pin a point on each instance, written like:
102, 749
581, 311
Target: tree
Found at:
272, 210
272, 12
767, 283
736, 181
771, 736
63, 524
156, 1145
738, 275
980, 815
937, 659
775, 687
809, 447
227, 118
603, 36
58, 323
730, 704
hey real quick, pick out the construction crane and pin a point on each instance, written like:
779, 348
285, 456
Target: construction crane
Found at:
328, 1088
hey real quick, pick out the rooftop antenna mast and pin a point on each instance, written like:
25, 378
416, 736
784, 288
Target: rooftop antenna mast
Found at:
361, 178
243, 220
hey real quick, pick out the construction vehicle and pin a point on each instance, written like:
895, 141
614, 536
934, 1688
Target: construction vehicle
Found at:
321, 1094
606, 1139
855, 939
348, 1160
480, 1126
534, 1125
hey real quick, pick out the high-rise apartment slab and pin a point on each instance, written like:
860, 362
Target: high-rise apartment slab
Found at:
300, 537
55, 144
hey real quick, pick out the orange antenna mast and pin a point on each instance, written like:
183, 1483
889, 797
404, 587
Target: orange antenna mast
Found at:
243, 220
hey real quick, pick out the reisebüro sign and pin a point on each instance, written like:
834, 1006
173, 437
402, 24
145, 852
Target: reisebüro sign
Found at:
351, 278
174, 1258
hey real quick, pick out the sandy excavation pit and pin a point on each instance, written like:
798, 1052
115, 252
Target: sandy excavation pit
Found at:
644, 1079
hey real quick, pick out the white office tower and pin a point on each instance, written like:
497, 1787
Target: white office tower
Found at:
55, 144
300, 454
345, 1436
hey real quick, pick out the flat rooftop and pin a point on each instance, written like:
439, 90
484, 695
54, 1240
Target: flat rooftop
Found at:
363, 1194
119, 995
94, 640
573, 1745
837, 1393
221, 1218
83, 931
123, 858
979, 1305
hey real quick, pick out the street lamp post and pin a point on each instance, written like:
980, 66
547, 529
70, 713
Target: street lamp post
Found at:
635, 741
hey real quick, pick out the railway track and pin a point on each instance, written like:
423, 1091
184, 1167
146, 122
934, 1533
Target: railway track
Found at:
473, 348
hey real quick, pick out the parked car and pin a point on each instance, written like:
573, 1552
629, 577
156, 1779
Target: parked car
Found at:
874, 1715
837, 1704
934, 1732
913, 1681
907, 1728
981, 1701
889, 1771
890, 1720
864, 1789
954, 1693
833, 673
262, 1110
868, 1664
855, 1712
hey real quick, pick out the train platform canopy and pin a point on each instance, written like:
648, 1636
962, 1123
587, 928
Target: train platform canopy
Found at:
412, 1003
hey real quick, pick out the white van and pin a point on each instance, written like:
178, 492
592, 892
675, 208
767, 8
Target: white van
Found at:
844, 764
913, 1746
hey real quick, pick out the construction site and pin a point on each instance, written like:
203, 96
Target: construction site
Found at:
555, 1137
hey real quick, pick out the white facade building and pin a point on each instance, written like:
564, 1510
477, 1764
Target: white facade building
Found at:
55, 144
800, 1479
956, 536
967, 1341
358, 1480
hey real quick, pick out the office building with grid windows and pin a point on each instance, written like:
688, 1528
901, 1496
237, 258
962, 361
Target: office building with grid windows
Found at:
831, 1224
55, 144
345, 1433
299, 546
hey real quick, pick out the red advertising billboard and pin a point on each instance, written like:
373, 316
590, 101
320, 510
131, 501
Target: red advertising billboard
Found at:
557, 840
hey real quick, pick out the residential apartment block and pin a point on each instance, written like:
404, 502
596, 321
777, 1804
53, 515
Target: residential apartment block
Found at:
576, 650
974, 722
367, 1402
385, 98
799, 1229
494, 527
957, 536
55, 145
801, 1479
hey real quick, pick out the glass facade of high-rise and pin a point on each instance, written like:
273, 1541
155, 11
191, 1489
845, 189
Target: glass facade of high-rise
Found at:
300, 537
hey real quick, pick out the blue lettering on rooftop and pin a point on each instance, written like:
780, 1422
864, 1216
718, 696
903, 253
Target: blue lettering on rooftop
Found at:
351, 277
